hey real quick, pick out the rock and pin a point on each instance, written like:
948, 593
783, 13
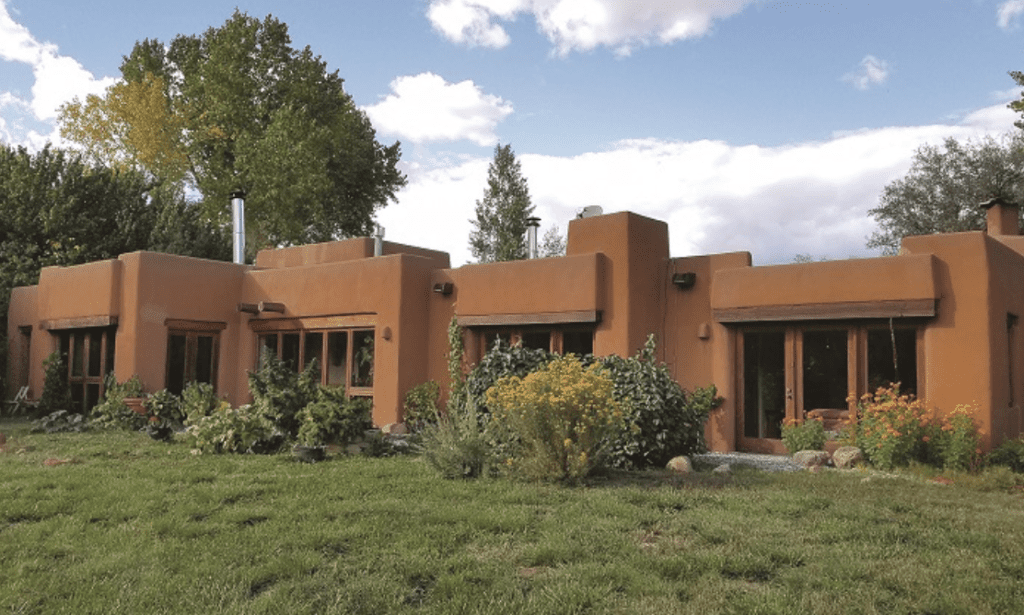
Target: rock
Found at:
811, 459
846, 457
724, 469
353, 449
394, 429
680, 465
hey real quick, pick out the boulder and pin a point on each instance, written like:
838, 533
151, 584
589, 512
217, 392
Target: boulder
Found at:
811, 459
394, 429
846, 457
680, 465
724, 469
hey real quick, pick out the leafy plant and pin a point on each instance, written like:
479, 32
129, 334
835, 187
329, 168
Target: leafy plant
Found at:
891, 429
279, 393
332, 418
420, 407
563, 419
806, 435
60, 421
231, 430
1009, 454
164, 408
502, 361
198, 400
56, 393
958, 441
664, 419
113, 412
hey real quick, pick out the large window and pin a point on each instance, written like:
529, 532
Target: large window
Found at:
89, 353
192, 351
791, 371
578, 340
345, 356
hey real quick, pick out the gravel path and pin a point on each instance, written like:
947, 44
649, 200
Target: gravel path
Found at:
767, 463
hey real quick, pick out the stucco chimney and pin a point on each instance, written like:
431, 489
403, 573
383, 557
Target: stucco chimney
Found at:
238, 224
531, 236
1002, 217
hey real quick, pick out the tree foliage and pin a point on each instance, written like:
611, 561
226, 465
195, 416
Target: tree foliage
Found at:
500, 226
553, 243
944, 187
238, 108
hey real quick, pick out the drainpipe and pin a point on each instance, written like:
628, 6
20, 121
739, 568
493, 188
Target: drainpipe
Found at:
378, 240
531, 235
238, 223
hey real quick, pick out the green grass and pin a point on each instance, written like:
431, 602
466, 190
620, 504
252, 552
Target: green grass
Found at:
129, 525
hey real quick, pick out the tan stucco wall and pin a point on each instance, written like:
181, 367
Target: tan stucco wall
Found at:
341, 251
92, 289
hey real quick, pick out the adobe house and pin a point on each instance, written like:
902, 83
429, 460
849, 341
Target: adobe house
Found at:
778, 341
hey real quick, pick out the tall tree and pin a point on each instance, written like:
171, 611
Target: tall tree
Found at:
500, 226
944, 187
239, 109
553, 243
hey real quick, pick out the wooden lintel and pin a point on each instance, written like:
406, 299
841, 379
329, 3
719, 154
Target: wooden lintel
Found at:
543, 318
346, 321
270, 306
249, 308
910, 308
80, 322
182, 324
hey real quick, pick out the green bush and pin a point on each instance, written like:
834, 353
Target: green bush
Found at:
198, 400
562, 418
331, 418
1009, 454
502, 361
456, 445
957, 441
164, 409
664, 420
60, 421
231, 430
420, 407
112, 412
279, 393
56, 393
806, 436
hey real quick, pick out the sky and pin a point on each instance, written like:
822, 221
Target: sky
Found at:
746, 125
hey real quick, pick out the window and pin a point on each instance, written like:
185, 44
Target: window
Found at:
345, 356
791, 371
89, 353
192, 352
578, 340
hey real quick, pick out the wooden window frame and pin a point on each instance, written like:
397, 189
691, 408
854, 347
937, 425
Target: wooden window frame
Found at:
192, 331
351, 331
84, 380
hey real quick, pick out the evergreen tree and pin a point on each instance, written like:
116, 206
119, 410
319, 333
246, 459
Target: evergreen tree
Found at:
500, 225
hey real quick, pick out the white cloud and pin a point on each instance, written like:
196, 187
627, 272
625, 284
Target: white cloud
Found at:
425, 107
1008, 14
57, 79
776, 202
871, 71
582, 25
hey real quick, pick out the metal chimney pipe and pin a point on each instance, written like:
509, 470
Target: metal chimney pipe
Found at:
532, 223
238, 225
378, 240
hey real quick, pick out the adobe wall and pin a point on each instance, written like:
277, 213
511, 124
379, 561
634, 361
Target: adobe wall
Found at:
636, 249
157, 287
93, 289
23, 312
1007, 304
341, 251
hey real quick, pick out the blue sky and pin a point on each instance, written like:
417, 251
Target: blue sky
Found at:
746, 124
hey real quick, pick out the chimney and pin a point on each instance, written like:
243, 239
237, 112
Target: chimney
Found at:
238, 224
1001, 216
378, 240
531, 235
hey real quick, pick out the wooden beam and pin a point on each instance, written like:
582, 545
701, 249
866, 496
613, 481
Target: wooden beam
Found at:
80, 322
912, 308
544, 318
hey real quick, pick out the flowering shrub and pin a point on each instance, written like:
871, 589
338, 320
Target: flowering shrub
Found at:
563, 417
889, 428
957, 440
803, 436
230, 430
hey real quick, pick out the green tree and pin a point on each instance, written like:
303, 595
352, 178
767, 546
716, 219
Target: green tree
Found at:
239, 108
553, 243
500, 226
944, 187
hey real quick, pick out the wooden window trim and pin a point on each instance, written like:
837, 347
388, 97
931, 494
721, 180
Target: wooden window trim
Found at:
916, 308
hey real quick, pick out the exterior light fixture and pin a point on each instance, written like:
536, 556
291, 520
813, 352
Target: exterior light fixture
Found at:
684, 281
444, 288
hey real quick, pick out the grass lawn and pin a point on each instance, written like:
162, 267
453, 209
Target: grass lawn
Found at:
117, 523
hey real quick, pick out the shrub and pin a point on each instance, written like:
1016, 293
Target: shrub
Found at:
808, 435
456, 445
279, 393
665, 420
231, 430
957, 441
60, 421
562, 417
332, 418
420, 407
889, 428
113, 412
198, 400
163, 408
1009, 454
56, 393
501, 361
